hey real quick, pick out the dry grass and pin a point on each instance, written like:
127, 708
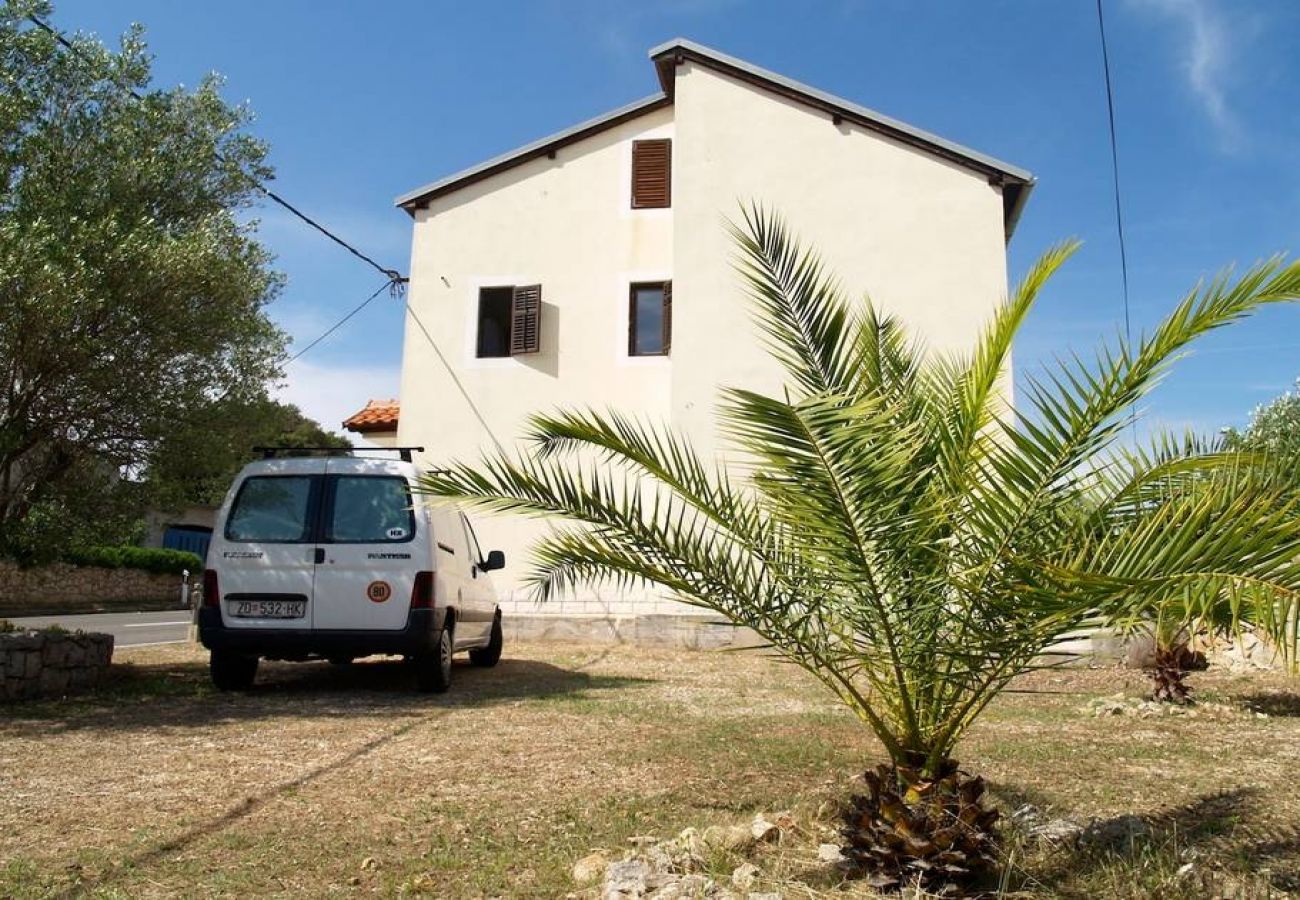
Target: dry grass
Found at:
340, 780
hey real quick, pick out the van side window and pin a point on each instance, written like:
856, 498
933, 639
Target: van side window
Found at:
273, 509
370, 509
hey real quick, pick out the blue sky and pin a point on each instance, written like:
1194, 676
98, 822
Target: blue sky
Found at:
362, 101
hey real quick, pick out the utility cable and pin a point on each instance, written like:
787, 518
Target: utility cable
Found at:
1114, 167
395, 281
391, 274
455, 379
393, 285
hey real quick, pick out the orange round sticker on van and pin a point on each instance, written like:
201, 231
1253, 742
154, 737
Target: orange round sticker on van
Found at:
379, 591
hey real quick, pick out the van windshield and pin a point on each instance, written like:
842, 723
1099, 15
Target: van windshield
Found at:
272, 508
370, 509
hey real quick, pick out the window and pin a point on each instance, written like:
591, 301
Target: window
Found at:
650, 319
509, 320
273, 509
369, 509
652, 174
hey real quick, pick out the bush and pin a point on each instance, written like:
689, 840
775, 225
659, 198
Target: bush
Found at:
150, 559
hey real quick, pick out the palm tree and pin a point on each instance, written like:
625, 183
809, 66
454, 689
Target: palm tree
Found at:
892, 526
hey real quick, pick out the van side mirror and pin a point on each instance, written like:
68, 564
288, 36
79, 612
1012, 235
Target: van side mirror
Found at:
495, 560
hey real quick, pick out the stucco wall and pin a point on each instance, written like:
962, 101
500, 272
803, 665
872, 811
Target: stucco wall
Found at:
567, 225
923, 236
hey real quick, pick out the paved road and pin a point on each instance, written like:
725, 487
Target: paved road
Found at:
132, 629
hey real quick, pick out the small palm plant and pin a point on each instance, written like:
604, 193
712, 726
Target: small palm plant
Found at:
895, 528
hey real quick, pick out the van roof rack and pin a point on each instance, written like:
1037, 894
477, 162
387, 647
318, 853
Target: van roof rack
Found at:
272, 452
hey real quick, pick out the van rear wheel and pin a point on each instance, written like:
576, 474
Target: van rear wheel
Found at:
232, 671
433, 667
489, 656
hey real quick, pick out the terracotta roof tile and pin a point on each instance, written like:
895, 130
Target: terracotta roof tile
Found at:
379, 415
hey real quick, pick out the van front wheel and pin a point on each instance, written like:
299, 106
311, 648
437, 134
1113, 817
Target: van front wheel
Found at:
487, 657
232, 671
433, 667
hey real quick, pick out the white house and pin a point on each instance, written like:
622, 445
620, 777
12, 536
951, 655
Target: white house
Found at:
592, 268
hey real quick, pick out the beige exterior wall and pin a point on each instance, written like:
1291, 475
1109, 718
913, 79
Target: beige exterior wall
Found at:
566, 224
924, 237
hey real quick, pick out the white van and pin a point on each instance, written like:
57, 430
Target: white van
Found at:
337, 557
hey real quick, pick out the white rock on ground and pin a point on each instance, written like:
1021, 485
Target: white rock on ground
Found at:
764, 831
590, 868
745, 876
830, 853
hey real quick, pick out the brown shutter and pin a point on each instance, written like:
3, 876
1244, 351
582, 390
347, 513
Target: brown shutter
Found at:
526, 320
668, 316
652, 174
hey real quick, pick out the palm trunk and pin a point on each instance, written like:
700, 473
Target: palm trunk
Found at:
912, 830
1172, 665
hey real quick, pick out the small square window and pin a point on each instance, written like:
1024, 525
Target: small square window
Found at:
509, 320
650, 319
494, 321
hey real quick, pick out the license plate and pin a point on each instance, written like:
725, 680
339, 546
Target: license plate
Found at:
269, 609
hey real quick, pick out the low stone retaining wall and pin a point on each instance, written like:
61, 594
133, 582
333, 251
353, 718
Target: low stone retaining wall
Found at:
51, 663
693, 632
63, 587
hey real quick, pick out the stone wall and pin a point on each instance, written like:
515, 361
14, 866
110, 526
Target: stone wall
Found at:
51, 663
62, 587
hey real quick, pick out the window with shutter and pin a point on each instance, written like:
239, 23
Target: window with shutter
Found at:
649, 319
526, 320
652, 174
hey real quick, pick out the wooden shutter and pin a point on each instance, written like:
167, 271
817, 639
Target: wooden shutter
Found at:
652, 174
668, 316
526, 319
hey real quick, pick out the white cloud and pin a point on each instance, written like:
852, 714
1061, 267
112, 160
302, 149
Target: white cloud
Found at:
1209, 45
329, 394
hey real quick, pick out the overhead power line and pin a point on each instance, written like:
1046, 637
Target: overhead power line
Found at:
395, 281
1114, 168
391, 274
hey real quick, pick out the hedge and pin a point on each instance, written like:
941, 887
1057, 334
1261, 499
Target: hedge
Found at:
150, 559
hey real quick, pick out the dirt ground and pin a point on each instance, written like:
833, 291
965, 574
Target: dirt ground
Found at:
340, 780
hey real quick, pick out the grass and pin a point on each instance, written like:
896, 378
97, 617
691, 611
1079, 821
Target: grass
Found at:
339, 781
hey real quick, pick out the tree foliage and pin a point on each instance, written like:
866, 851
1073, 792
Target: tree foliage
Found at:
132, 290
894, 527
199, 458
1274, 428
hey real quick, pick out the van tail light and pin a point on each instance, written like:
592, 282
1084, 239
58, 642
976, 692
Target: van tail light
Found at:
422, 591
211, 592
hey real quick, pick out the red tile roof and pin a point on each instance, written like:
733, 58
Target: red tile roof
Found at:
379, 415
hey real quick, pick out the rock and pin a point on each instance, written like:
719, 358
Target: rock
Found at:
642, 840
1114, 833
1027, 816
830, 853
687, 887
745, 876
625, 880
590, 868
1060, 832
764, 831
735, 838
767, 895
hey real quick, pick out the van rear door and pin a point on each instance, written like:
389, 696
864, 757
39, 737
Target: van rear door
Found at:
265, 553
369, 529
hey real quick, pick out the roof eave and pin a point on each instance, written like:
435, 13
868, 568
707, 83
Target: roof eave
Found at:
420, 197
1015, 182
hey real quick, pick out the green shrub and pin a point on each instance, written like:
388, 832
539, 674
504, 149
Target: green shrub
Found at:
150, 559
6, 626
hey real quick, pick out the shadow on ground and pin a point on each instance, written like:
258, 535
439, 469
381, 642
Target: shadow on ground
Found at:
1274, 703
180, 695
1170, 845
